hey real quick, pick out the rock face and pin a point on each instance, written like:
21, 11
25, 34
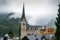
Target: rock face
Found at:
52, 23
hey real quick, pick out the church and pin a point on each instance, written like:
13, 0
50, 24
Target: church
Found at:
27, 29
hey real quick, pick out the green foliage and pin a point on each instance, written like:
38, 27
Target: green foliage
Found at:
11, 34
7, 23
19, 32
57, 35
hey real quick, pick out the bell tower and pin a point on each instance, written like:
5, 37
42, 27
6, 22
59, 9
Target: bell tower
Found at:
23, 23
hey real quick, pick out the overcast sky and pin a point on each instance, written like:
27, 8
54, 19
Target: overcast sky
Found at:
34, 9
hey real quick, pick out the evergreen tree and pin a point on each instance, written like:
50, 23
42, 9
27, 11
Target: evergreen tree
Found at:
11, 34
57, 35
19, 32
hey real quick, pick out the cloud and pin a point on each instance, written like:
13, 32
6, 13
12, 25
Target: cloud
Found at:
35, 9
2, 2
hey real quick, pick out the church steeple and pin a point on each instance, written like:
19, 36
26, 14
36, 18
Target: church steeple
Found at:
23, 24
23, 13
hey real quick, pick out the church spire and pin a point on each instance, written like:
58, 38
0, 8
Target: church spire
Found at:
23, 13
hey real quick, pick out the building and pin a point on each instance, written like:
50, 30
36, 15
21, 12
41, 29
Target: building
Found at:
25, 27
48, 30
28, 29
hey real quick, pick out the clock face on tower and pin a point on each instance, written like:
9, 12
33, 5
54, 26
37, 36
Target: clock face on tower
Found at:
23, 23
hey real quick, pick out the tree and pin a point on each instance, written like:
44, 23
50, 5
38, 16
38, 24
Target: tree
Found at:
11, 34
19, 32
57, 35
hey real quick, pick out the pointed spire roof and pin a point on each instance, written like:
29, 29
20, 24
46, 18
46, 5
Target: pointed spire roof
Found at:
23, 13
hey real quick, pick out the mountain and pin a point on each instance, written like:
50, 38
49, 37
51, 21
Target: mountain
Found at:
13, 24
7, 24
51, 23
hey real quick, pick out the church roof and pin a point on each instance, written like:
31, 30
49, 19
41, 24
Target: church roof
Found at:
36, 26
23, 13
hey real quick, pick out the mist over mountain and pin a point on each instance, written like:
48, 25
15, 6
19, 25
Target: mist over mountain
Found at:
7, 24
3, 15
51, 23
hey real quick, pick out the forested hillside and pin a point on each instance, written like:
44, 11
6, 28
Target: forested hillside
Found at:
7, 24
